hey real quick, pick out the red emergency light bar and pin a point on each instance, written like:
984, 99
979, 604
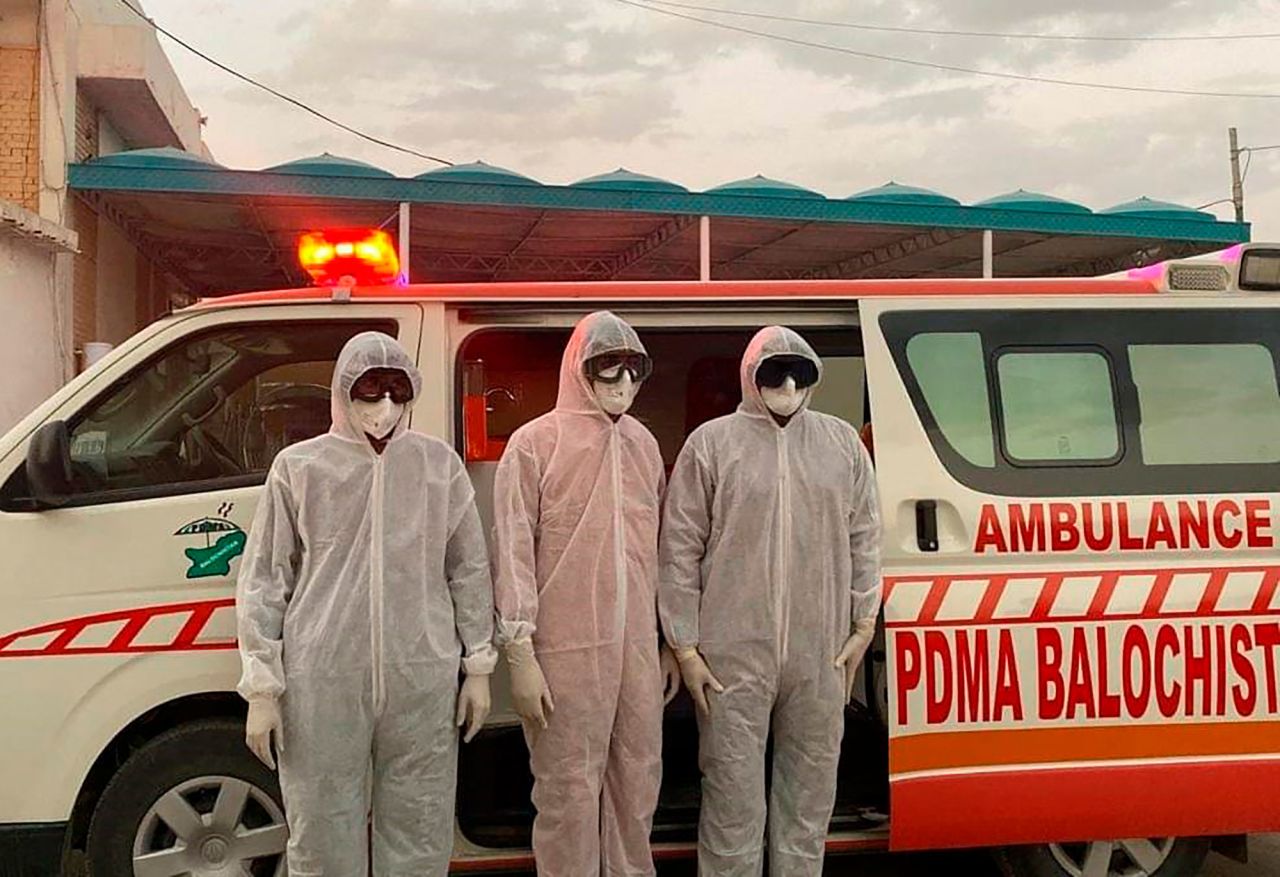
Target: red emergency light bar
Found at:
366, 256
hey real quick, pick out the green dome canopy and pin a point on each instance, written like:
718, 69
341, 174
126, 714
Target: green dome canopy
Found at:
896, 193
476, 172
162, 158
1037, 202
763, 187
328, 165
625, 179
1149, 208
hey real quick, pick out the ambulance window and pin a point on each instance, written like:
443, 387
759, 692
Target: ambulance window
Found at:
208, 412
949, 369
1058, 406
1206, 403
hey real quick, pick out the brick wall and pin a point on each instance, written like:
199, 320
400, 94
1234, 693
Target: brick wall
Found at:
20, 126
84, 219
84, 274
86, 128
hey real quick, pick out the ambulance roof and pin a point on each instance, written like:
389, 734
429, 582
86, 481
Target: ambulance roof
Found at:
696, 291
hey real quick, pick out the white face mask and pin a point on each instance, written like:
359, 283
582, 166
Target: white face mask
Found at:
617, 397
377, 419
786, 400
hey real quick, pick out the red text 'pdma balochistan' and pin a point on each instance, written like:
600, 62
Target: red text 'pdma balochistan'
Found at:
1133, 671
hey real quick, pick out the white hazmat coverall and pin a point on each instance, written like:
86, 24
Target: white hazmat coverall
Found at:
770, 555
365, 582
577, 501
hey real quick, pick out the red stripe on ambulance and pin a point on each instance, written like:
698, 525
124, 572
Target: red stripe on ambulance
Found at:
1001, 808
174, 627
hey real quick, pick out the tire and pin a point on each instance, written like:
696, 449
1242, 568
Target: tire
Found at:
1133, 857
192, 801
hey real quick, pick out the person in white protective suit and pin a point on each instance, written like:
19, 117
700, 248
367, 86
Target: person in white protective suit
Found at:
365, 584
770, 587
577, 502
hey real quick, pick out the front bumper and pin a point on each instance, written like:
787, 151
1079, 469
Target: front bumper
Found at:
32, 849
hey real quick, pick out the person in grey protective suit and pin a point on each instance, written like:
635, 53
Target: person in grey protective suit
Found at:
769, 588
365, 588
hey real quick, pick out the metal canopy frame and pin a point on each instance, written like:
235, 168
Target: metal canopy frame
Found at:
219, 231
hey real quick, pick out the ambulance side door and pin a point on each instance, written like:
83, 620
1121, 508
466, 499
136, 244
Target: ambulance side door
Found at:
1080, 566
121, 599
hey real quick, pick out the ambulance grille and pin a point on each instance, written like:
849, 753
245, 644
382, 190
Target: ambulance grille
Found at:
1198, 278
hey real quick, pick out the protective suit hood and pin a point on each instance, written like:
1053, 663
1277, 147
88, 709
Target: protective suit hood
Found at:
363, 352
772, 341
597, 333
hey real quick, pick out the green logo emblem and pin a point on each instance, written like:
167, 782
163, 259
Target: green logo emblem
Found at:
214, 559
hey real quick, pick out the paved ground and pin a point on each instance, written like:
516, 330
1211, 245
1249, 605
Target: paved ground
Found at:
1264, 859
1264, 853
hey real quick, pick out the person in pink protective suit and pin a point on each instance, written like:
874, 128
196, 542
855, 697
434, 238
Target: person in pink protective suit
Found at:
577, 501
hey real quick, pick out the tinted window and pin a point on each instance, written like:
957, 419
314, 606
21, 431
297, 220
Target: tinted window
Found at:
953, 380
1207, 403
1096, 402
211, 410
1058, 406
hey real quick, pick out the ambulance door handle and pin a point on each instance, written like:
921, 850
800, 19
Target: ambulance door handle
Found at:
927, 524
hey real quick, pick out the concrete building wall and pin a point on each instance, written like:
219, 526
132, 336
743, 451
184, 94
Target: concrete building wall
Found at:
117, 284
84, 282
32, 334
78, 79
35, 337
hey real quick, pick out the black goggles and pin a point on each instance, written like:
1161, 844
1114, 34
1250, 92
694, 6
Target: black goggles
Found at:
378, 382
607, 368
772, 372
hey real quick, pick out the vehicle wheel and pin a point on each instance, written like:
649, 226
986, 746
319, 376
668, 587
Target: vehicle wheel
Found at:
1130, 857
194, 801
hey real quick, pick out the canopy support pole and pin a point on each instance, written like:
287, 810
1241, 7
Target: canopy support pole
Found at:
988, 254
404, 242
704, 248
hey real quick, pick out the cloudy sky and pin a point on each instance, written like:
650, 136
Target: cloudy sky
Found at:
563, 89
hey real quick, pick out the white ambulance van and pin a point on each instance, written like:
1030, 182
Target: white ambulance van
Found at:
1079, 479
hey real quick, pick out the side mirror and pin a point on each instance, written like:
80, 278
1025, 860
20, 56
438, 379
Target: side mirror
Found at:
49, 465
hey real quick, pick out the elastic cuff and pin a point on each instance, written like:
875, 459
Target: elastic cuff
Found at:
865, 605
519, 651
509, 632
481, 662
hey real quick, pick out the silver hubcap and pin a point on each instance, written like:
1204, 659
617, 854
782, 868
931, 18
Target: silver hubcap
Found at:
213, 826
1132, 857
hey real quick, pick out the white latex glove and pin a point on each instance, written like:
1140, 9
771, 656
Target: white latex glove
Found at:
855, 648
697, 677
473, 704
530, 693
670, 674
263, 723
